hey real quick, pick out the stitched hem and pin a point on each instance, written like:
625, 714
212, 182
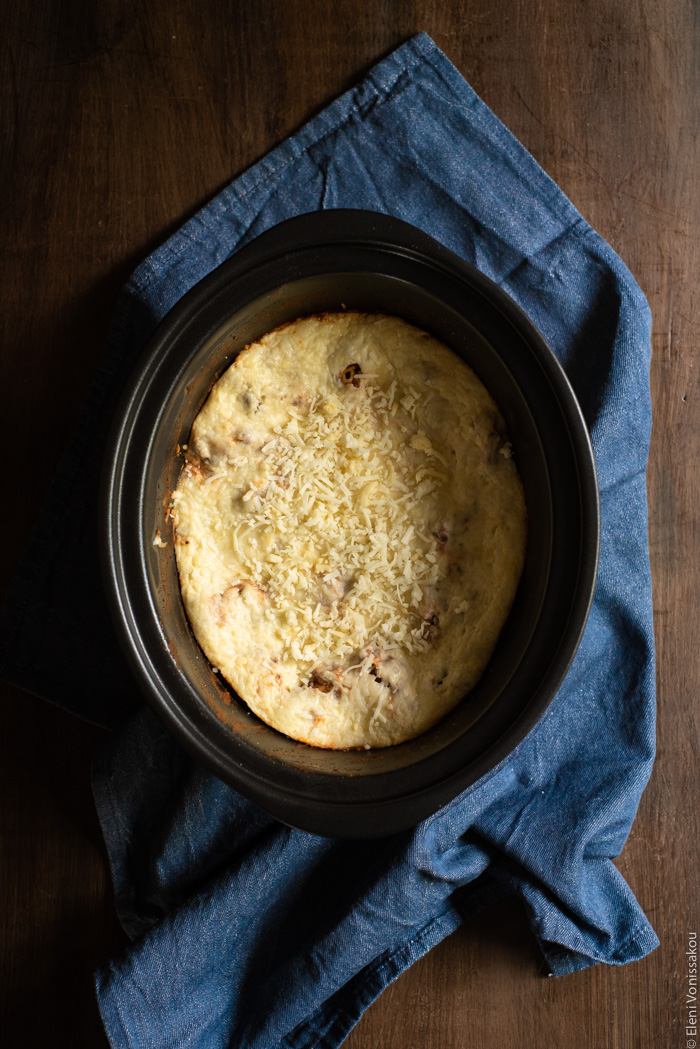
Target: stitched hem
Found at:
105, 807
331, 1024
562, 960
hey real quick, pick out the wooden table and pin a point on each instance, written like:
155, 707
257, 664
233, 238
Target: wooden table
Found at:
118, 121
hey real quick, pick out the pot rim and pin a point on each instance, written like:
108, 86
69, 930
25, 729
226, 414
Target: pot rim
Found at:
312, 800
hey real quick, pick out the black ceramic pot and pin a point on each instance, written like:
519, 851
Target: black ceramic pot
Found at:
327, 261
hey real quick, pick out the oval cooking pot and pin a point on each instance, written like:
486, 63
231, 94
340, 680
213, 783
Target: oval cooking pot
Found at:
330, 261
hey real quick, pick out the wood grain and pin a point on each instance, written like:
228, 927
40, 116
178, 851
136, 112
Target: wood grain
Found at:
117, 122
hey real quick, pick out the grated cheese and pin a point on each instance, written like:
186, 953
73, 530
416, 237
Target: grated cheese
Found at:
330, 498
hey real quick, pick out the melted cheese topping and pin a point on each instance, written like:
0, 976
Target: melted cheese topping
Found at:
350, 529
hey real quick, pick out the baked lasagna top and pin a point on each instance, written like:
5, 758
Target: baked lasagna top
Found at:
350, 529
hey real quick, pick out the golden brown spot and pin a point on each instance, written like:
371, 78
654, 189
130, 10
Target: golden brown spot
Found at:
197, 468
442, 535
375, 673
319, 682
430, 625
350, 376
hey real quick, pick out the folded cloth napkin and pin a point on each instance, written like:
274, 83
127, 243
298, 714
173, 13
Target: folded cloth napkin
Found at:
250, 934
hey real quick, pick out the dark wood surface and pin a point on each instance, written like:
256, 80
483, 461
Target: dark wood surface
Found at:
118, 120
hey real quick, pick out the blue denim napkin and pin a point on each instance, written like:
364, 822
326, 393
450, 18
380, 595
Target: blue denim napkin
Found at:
248, 934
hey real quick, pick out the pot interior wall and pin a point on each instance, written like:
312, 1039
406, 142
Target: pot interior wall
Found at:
326, 293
